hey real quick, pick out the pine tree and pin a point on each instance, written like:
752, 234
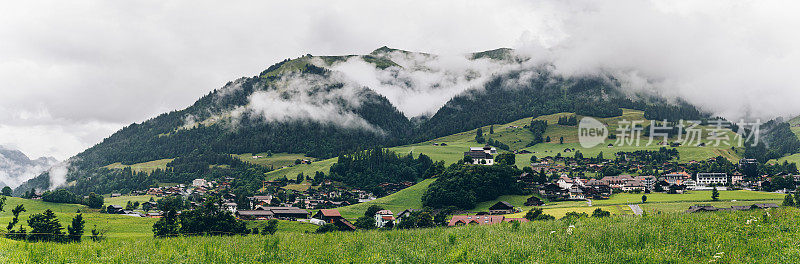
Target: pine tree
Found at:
75, 230
714, 194
491, 129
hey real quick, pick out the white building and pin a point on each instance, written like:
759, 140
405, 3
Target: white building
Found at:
482, 156
383, 217
199, 183
565, 182
708, 178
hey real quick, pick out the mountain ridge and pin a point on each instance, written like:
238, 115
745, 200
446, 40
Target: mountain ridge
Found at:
322, 107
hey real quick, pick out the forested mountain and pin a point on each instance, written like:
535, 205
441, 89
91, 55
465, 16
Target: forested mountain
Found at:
327, 106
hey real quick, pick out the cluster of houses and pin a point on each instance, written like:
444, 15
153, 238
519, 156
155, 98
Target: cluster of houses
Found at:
576, 188
710, 208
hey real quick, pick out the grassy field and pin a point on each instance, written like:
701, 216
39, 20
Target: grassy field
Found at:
144, 166
277, 160
123, 200
397, 202
306, 169
116, 226
722, 237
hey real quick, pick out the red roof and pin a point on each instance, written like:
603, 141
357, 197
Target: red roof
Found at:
388, 217
476, 219
330, 212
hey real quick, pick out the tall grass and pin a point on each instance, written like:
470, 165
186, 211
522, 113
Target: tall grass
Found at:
723, 237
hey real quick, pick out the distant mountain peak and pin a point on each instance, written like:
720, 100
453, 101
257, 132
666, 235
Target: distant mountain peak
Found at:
16, 167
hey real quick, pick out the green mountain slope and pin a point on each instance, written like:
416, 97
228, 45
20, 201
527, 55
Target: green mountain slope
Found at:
337, 115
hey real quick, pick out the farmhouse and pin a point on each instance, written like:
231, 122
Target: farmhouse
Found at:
483, 156
501, 207
383, 217
264, 212
199, 183
533, 201
405, 213
115, 209
332, 216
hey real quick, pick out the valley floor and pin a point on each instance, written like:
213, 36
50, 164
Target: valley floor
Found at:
719, 237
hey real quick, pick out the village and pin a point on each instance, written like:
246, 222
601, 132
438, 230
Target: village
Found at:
549, 179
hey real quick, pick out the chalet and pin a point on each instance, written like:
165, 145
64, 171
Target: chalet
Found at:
154, 215
483, 156
633, 185
676, 178
576, 193
405, 213
617, 181
459, 220
199, 183
708, 178
502, 207
289, 212
272, 212
565, 182
383, 217
114, 195
115, 209
708, 208
332, 216
648, 181
594, 183
534, 201
701, 208
260, 200
553, 193
258, 214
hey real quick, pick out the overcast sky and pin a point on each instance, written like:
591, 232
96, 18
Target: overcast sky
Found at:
73, 72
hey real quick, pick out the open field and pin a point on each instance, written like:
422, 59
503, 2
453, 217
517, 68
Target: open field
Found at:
116, 226
720, 237
306, 169
144, 166
277, 160
123, 200
396, 202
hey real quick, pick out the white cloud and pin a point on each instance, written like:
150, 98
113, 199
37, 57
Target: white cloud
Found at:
422, 84
73, 72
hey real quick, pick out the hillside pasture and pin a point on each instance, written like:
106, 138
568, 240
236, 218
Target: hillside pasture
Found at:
144, 166
276, 161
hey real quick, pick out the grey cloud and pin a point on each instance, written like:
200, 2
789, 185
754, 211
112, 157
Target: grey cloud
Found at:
71, 73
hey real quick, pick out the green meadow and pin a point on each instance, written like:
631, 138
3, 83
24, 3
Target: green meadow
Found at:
144, 166
277, 160
123, 200
718, 237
